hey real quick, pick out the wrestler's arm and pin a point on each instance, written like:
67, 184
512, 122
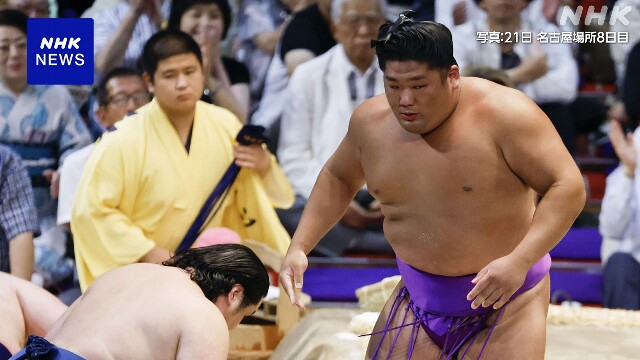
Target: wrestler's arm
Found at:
39, 307
203, 332
336, 186
534, 151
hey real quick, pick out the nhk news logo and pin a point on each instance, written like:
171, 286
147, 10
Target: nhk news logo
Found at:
60, 51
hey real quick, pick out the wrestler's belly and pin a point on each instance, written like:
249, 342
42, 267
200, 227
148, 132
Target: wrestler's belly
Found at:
454, 247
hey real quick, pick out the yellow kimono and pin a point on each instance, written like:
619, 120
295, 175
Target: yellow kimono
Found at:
141, 189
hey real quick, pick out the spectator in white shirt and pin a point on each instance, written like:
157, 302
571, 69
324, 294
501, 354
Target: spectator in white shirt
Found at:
620, 224
323, 93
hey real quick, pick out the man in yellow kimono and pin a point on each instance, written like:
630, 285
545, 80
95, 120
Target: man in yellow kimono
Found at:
145, 182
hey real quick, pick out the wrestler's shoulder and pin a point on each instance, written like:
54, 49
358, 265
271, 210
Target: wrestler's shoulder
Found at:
493, 101
375, 109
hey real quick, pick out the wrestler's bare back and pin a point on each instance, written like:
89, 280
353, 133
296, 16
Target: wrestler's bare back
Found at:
126, 315
451, 202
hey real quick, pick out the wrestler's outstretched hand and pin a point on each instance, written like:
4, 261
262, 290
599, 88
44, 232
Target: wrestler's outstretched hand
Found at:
291, 272
497, 282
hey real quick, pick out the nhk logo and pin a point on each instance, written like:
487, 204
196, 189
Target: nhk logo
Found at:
618, 13
60, 51
53, 59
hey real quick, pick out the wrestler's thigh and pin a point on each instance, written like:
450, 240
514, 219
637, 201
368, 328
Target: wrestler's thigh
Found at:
521, 330
424, 348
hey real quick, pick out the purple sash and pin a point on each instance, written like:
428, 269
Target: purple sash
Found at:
440, 307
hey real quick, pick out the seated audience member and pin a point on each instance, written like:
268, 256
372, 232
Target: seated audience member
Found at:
307, 35
546, 72
120, 92
619, 219
25, 309
619, 216
620, 49
227, 80
260, 26
31, 8
144, 184
182, 310
18, 216
456, 12
626, 109
120, 32
323, 93
42, 124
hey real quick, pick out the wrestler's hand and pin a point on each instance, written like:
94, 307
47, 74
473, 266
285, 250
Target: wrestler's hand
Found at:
291, 272
497, 282
253, 157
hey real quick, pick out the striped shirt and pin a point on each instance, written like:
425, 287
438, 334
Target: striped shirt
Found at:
107, 22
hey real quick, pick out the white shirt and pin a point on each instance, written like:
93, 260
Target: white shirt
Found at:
559, 84
619, 215
316, 121
620, 50
274, 95
70, 174
444, 11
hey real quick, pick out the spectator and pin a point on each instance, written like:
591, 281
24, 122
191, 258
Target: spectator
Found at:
323, 93
18, 216
31, 8
620, 49
208, 21
120, 92
620, 216
456, 12
260, 25
305, 37
547, 73
120, 32
42, 124
144, 183
619, 222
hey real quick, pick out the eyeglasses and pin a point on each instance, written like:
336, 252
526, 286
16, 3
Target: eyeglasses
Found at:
139, 98
404, 17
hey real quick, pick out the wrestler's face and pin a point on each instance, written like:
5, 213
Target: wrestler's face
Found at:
358, 24
177, 83
236, 316
420, 98
13, 54
126, 94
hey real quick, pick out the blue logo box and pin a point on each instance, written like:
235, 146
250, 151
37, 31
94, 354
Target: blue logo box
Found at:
60, 51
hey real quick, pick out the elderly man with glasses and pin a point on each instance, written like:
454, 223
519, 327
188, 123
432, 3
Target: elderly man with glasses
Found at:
121, 92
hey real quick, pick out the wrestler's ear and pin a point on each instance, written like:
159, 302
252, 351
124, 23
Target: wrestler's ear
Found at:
236, 295
453, 76
148, 81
